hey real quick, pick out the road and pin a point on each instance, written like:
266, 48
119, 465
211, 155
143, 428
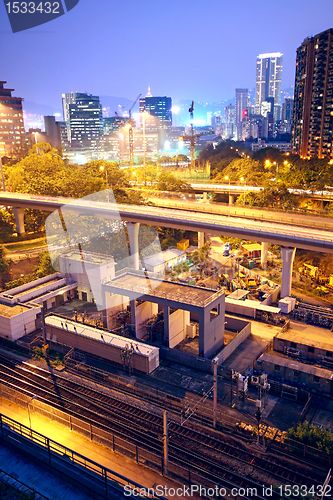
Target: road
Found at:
280, 233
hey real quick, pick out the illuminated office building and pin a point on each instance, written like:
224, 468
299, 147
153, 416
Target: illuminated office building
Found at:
85, 121
268, 79
12, 133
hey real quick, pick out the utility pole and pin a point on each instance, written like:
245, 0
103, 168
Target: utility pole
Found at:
165, 443
215, 364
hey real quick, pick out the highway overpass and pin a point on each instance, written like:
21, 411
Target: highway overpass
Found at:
288, 236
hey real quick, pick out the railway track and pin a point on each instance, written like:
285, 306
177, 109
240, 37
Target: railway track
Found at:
207, 452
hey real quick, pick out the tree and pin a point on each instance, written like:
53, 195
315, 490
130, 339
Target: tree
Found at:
44, 267
4, 266
252, 171
168, 182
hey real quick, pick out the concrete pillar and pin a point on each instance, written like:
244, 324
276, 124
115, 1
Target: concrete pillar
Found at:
287, 256
201, 334
166, 323
264, 252
205, 196
19, 220
231, 199
201, 240
133, 234
133, 314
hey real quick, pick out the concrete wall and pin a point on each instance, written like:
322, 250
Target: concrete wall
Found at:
183, 358
143, 312
244, 329
178, 321
211, 331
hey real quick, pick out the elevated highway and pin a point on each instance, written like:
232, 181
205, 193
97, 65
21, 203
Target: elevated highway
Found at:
288, 236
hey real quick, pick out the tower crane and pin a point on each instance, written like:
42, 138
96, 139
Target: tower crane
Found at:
192, 138
130, 131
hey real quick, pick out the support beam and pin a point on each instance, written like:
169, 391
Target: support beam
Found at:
19, 220
201, 240
264, 253
133, 314
231, 199
166, 323
287, 256
133, 234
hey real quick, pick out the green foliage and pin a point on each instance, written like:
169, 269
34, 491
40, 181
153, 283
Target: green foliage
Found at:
311, 435
4, 266
252, 171
44, 267
168, 182
270, 197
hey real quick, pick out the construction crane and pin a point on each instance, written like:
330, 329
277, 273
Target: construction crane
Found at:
192, 138
130, 131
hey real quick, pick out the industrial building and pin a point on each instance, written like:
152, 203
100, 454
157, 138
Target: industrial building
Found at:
141, 357
301, 375
178, 301
306, 346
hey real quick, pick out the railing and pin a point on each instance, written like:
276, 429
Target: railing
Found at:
59, 456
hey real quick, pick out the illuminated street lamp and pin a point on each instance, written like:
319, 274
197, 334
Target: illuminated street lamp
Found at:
106, 180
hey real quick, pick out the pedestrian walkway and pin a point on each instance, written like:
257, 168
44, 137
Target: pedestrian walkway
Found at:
103, 456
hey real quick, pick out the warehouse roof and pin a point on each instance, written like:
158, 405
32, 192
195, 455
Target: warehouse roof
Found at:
309, 338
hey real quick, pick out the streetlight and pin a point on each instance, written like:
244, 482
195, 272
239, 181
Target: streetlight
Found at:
33, 397
106, 180
228, 179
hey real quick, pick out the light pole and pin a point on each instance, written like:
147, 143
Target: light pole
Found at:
106, 180
35, 134
33, 397
228, 179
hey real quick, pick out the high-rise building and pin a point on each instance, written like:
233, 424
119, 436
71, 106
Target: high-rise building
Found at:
85, 121
241, 103
158, 107
268, 79
12, 132
230, 120
313, 106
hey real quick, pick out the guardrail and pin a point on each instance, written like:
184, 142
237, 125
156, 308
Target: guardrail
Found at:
100, 479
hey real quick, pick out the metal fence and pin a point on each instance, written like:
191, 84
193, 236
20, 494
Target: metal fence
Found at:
100, 435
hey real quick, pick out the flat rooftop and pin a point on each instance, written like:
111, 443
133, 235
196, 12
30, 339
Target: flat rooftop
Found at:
98, 335
295, 365
34, 288
311, 336
87, 257
8, 311
184, 294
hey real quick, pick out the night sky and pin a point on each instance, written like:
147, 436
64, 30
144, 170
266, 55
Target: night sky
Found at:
186, 49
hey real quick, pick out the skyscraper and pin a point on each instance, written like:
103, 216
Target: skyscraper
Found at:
158, 107
12, 131
268, 79
241, 103
85, 121
313, 106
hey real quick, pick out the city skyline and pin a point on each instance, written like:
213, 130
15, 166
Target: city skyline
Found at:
130, 47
